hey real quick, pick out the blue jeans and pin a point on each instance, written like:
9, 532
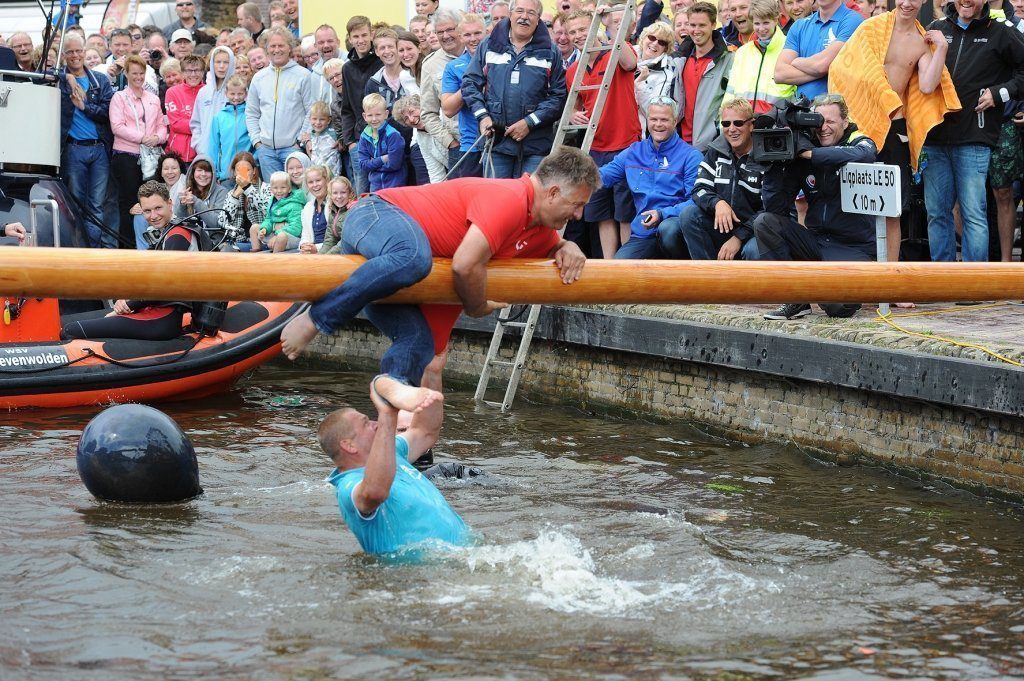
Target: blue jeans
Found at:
956, 173
360, 178
272, 160
671, 241
639, 248
398, 255
510, 167
704, 241
87, 170
141, 226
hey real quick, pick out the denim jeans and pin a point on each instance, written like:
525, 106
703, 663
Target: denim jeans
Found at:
704, 241
360, 178
141, 227
398, 255
272, 160
671, 241
87, 169
510, 167
956, 173
469, 167
639, 248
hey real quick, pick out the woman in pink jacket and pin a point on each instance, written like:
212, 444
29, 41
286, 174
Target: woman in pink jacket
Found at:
137, 121
181, 100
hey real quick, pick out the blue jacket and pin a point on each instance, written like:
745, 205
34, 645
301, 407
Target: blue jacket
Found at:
97, 105
389, 143
228, 136
510, 87
660, 179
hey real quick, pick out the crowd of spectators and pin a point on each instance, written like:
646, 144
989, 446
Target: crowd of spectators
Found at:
282, 130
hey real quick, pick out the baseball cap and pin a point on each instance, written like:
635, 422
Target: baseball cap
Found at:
182, 34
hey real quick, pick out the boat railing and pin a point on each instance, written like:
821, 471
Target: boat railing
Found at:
30, 236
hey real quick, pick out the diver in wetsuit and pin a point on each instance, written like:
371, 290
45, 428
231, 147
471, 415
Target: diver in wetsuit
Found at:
140, 319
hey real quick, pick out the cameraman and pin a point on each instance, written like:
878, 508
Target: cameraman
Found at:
830, 234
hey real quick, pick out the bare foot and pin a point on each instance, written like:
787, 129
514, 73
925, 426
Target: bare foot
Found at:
905, 306
296, 335
402, 396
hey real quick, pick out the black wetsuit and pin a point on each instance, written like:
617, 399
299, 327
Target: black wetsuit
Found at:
148, 320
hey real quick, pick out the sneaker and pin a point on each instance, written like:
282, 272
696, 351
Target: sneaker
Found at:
789, 311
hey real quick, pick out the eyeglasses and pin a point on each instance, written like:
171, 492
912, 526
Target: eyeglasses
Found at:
654, 39
183, 4
445, 31
737, 123
528, 12
193, 71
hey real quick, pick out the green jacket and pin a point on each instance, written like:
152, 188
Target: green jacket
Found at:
287, 210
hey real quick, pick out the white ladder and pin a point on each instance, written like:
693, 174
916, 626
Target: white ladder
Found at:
505, 319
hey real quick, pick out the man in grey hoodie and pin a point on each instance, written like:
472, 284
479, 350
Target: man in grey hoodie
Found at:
211, 98
277, 108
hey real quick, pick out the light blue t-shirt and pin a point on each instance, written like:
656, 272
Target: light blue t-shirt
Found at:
451, 81
82, 127
811, 35
414, 512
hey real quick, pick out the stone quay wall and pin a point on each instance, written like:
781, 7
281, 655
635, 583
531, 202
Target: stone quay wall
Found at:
834, 419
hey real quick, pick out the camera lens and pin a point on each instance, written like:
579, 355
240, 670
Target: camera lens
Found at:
156, 55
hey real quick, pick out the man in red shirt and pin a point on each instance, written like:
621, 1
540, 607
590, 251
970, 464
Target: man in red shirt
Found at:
703, 74
471, 221
611, 207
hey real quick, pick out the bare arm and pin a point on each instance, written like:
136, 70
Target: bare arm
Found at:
380, 465
451, 102
469, 267
930, 65
788, 74
817, 65
627, 58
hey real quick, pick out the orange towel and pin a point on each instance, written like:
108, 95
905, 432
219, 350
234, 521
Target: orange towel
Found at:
858, 73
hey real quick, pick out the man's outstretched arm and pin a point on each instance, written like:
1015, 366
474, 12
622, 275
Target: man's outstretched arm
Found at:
380, 465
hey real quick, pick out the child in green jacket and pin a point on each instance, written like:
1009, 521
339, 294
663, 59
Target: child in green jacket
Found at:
283, 223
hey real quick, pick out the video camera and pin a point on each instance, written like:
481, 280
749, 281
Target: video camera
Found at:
785, 131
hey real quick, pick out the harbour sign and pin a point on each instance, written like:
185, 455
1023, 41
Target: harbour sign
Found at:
870, 189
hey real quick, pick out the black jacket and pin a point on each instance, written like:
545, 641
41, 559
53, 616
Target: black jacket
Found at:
819, 180
97, 106
989, 53
354, 74
737, 181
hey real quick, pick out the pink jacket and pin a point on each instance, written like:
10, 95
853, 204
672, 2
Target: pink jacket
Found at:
131, 119
180, 101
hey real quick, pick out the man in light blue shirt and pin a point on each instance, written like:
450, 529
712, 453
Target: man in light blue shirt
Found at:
811, 45
384, 500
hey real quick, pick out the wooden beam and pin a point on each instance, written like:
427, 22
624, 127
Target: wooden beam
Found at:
100, 273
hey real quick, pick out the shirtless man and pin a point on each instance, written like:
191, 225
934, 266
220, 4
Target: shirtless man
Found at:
908, 50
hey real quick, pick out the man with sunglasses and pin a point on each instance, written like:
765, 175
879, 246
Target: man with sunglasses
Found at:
186, 11
726, 196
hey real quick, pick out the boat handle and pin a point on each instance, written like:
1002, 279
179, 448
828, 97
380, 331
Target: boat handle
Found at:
55, 210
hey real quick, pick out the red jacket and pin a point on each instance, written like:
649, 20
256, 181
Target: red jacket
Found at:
179, 103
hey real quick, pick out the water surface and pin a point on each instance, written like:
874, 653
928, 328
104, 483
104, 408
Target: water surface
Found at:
611, 549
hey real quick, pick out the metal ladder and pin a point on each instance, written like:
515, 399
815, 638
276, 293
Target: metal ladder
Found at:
505, 319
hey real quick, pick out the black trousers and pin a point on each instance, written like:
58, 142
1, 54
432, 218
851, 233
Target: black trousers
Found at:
163, 327
127, 178
782, 238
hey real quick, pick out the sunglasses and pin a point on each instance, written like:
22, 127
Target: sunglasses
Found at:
184, 4
737, 123
653, 39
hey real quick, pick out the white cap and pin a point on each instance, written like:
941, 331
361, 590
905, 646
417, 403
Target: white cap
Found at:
182, 34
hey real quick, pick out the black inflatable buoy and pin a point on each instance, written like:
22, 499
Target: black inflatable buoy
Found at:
131, 452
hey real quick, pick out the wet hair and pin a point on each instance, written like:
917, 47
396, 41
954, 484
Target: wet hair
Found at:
568, 167
703, 8
333, 429
154, 188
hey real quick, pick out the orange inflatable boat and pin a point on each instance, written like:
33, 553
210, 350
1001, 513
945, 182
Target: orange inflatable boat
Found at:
38, 370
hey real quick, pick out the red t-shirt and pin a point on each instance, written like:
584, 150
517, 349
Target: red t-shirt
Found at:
619, 125
693, 71
499, 208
